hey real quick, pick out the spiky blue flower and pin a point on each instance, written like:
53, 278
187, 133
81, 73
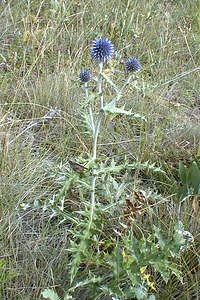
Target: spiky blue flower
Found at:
132, 64
102, 49
85, 76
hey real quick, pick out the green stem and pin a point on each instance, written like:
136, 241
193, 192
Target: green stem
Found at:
126, 83
96, 134
100, 85
94, 150
114, 101
89, 109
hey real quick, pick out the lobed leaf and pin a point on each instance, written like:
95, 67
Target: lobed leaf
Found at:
50, 294
120, 110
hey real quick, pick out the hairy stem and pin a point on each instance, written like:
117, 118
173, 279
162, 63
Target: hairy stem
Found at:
90, 109
114, 101
100, 85
94, 150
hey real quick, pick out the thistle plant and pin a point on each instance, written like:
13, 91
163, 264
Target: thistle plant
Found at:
102, 50
129, 261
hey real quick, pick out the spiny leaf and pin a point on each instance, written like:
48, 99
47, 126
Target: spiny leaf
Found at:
109, 81
159, 236
87, 123
113, 168
50, 294
140, 292
68, 297
90, 279
88, 100
120, 110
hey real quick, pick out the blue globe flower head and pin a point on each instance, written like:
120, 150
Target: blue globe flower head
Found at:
102, 50
85, 76
133, 65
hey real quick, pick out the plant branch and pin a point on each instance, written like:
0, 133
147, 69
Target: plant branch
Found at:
89, 109
94, 150
100, 85
114, 100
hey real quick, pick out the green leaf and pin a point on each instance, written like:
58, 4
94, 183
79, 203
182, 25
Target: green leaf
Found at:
175, 271
178, 235
112, 288
159, 236
195, 177
68, 297
91, 279
198, 152
152, 297
50, 294
182, 172
79, 253
140, 292
120, 110
113, 168
88, 100
116, 262
162, 266
184, 191
87, 123
109, 81
66, 186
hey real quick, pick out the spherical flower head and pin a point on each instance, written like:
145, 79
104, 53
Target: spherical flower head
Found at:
85, 76
102, 49
133, 65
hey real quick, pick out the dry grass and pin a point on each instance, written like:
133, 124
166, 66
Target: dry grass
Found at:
44, 46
